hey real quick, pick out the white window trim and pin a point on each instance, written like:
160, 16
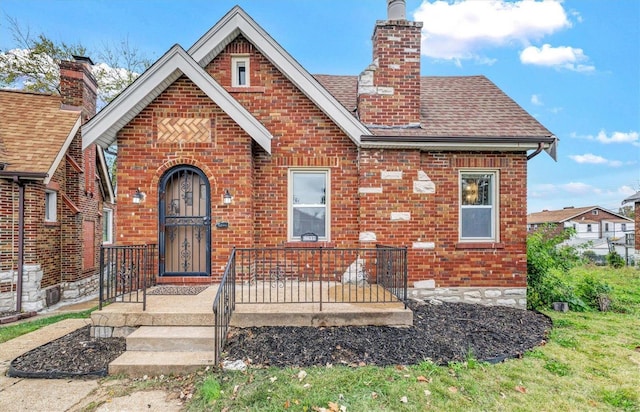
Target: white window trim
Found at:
107, 215
234, 72
51, 206
495, 235
327, 205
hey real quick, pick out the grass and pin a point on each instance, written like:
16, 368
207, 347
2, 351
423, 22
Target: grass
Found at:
591, 362
13, 331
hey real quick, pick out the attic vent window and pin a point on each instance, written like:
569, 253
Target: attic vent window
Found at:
240, 71
595, 212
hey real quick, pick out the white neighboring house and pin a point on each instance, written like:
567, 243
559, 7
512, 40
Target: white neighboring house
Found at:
594, 227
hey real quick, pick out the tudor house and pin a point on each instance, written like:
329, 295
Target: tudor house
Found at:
56, 199
232, 143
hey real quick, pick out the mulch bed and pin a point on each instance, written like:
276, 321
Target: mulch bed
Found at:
74, 355
443, 333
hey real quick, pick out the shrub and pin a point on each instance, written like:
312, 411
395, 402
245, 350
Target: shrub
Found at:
615, 260
547, 261
595, 293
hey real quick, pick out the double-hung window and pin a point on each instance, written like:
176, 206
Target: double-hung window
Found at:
240, 71
478, 206
308, 203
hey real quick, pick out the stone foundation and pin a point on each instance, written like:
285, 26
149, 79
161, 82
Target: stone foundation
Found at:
34, 297
513, 297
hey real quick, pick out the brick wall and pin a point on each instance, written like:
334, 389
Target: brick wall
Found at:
393, 197
389, 89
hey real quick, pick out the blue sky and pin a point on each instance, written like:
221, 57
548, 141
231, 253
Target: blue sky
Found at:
574, 65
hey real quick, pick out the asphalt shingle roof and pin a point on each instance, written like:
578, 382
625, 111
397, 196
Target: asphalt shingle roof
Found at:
460, 106
33, 130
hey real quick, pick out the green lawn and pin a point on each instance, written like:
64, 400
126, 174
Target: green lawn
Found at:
591, 362
11, 331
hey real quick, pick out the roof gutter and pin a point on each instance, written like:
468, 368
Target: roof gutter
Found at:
547, 143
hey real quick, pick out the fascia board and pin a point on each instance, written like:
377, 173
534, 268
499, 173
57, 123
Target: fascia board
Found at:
102, 129
506, 147
207, 47
63, 150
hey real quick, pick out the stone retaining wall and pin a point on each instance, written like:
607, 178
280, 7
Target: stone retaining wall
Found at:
513, 297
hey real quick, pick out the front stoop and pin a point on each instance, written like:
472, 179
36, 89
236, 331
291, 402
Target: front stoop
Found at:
165, 350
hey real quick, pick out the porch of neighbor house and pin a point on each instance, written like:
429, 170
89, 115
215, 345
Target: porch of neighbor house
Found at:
173, 329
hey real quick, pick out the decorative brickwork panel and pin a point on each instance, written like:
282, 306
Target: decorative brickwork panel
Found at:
184, 130
89, 239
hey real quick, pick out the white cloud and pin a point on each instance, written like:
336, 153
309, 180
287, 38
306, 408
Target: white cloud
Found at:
579, 188
558, 57
461, 29
536, 100
617, 137
589, 158
626, 191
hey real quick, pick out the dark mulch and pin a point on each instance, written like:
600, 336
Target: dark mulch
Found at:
74, 355
443, 333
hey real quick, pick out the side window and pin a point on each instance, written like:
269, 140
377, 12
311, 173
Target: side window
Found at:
240, 71
478, 211
623, 226
308, 203
50, 206
107, 226
589, 229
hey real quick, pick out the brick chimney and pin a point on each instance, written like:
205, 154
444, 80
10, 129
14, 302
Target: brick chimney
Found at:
389, 89
78, 87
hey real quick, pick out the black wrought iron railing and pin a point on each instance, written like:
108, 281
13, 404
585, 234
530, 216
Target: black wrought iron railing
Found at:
125, 273
223, 306
321, 275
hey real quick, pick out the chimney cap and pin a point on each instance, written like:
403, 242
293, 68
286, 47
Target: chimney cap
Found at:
83, 59
396, 10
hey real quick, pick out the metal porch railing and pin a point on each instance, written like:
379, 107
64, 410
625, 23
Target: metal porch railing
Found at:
125, 273
321, 275
223, 306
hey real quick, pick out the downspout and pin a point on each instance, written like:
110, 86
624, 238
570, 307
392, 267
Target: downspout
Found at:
20, 184
537, 152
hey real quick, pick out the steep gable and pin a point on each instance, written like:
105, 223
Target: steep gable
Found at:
102, 129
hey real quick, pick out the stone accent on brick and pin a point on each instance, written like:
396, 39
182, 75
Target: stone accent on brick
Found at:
400, 216
491, 296
424, 184
33, 296
424, 245
368, 237
370, 190
391, 175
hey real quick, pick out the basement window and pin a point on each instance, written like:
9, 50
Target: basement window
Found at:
240, 71
50, 206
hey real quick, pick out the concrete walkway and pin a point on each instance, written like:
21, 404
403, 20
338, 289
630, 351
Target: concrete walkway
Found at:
52, 395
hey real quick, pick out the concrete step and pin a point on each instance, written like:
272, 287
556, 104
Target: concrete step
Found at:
171, 339
140, 363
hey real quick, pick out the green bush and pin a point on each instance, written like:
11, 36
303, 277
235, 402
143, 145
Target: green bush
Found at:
594, 293
547, 261
615, 260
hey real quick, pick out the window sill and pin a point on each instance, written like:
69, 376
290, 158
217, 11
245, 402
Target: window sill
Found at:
479, 245
310, 245
246, 89
51, 224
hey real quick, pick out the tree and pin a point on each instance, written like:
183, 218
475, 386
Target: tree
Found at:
627, 211
33, 64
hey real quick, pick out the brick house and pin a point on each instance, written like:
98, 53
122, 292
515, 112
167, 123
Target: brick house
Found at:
235, 139
55, 197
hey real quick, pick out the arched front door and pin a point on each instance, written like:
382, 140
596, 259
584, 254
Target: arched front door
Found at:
185, 223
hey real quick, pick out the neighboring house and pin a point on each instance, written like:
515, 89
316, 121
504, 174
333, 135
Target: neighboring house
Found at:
592, 224
232, 143
55, 197
632, 241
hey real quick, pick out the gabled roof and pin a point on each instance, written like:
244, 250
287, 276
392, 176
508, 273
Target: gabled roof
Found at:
35, 132
236, 22
103, 127
566, 214
635, 198
455, 112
